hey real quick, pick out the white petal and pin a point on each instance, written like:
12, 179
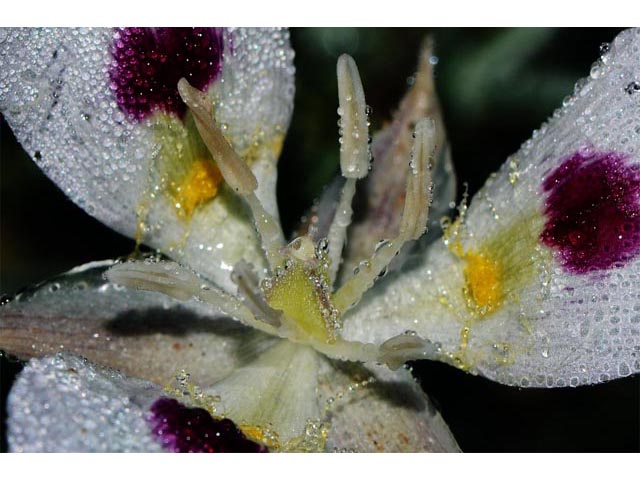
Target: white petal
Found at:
372, 409
146, 335
55, 93
549, 325
276, 392
294, 393
66, 404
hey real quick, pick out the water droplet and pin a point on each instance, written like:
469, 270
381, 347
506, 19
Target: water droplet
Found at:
633, 87
381, 244
596, 69
623, 370
579, 87
29, 75
604, 48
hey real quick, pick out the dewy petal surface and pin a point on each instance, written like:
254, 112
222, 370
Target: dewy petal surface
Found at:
149, 62
150, 177
372, 409
182, 429
294, 399
276, 392
143, 334
66, 404
499, 299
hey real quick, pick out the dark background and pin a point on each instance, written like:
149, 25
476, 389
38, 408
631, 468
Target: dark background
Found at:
496, 86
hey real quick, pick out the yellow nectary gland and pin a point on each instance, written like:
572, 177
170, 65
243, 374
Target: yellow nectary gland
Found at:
483, 272
199, 186
302, 293
484, 283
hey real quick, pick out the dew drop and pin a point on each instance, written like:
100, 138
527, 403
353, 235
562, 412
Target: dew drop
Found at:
632, 87
381, 244
623, 370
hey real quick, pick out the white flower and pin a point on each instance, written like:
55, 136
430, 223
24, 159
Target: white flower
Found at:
532, 285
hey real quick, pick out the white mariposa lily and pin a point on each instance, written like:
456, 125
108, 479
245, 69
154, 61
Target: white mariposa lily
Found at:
532, 285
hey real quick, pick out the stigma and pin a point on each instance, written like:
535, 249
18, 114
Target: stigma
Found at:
301, 290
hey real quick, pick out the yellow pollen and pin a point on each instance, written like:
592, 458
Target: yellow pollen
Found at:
262, 435
200, 184
484, 284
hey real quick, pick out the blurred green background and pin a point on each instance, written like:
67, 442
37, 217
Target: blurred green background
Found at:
495, 86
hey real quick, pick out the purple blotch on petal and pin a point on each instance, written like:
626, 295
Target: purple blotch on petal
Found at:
193, 430
148, 62
592, 211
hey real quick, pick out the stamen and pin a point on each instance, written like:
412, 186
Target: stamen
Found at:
168, 278
249, 291
338, 230
398, 350
394, 352
177, 282
418, 196
269, 230
355, 155
412, 225
354, 151
235, 171
348, 351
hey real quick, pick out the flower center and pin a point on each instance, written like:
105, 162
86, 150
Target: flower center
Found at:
301, 290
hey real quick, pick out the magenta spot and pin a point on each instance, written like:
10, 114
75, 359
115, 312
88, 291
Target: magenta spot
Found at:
148, 62
593, 211
192, 430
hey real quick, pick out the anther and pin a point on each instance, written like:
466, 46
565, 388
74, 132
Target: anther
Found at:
234, 170
407, 346
354, 152
236, 173
178, 282
412, 225
355, 155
